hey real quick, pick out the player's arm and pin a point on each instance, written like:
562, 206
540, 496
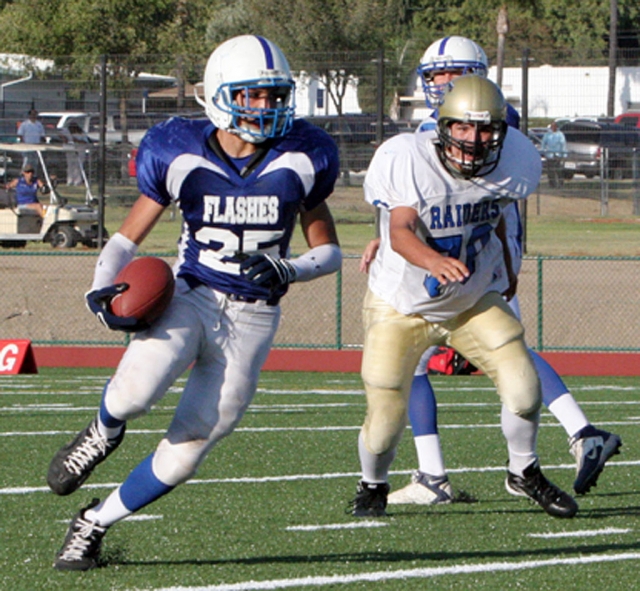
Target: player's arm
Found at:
323, 257
123, 245
403, 223
117, 253
501, 232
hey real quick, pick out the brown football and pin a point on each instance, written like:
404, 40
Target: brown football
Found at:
150, 290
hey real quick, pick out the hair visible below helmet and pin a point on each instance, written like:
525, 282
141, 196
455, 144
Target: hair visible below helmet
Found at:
243, 64
478, 101
453, 53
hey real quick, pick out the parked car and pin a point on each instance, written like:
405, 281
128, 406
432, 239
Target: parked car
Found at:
536, 134
137, 125
629, 119
356, 136
588, 142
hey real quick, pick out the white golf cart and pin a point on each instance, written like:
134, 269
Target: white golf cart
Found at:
63, 225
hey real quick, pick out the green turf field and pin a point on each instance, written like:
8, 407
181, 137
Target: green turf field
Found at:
266, 510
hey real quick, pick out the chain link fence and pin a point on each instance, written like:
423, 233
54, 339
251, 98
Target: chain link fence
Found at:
567, 303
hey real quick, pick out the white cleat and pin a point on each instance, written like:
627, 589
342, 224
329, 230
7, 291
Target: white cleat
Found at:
423, 490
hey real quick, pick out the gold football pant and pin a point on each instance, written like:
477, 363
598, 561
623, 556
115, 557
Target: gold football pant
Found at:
488, 335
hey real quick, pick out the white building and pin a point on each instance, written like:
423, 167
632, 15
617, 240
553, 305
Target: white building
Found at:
554, 91
312, 97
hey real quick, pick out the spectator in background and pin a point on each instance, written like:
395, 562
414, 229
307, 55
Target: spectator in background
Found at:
31, 131
26, 187
554, 149
78, 139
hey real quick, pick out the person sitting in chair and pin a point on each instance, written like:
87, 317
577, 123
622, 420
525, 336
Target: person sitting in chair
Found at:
26, 187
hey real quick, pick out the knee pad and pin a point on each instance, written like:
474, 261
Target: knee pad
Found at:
516, 379
176, 463
386, 419
122, 406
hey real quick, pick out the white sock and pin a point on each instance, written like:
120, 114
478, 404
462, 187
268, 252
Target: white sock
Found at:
109, 432
521, 435
571, 417
375, 468
430, 460
109, 511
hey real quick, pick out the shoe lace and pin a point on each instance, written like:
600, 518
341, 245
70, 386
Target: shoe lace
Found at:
93, 446
85, 538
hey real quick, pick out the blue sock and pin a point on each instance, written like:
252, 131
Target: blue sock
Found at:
142, 486
551, 383
105, 418
423, 413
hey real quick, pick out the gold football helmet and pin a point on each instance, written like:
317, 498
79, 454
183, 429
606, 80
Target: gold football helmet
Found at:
477, 101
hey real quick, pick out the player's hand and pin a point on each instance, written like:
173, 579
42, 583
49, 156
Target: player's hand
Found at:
266, 271
445, 270
368, 255
99, 303
510, 292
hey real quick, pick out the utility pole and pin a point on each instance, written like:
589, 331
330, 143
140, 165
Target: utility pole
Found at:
613, 55
502, 27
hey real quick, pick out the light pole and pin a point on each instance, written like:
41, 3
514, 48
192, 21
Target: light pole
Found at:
502, 27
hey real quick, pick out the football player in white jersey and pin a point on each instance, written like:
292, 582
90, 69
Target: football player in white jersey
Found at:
439, 276
241, 177
443, 61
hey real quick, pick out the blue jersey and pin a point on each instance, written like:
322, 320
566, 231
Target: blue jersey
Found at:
26, 193
227, 215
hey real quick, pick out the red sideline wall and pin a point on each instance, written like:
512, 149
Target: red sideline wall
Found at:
566, 364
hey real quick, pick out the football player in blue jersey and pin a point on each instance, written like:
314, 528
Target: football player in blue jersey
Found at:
444, 61
241, 178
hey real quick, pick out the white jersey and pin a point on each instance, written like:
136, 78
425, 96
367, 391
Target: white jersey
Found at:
458, 218
514, 235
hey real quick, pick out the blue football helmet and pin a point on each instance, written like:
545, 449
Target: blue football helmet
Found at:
449, 54
243, 67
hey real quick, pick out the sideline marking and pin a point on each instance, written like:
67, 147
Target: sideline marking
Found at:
416, 573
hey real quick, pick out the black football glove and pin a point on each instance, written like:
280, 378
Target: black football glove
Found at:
268, 272
99, 302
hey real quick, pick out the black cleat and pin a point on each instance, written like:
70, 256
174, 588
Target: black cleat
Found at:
81, 547
534, 485
73, 464
592, 448
370, 500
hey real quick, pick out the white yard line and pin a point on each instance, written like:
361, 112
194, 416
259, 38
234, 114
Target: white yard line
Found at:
416, 573
585, 533
301, 477
334, 526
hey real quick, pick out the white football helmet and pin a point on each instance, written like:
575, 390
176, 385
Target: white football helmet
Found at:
448, 54
242, 65
477, 101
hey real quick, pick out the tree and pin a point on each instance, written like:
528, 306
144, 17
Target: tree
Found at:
317, 34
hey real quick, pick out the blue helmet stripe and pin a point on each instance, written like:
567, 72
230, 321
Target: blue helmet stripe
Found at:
443, 44
267, 51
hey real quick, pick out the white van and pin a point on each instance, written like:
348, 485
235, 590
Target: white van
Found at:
137, 125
